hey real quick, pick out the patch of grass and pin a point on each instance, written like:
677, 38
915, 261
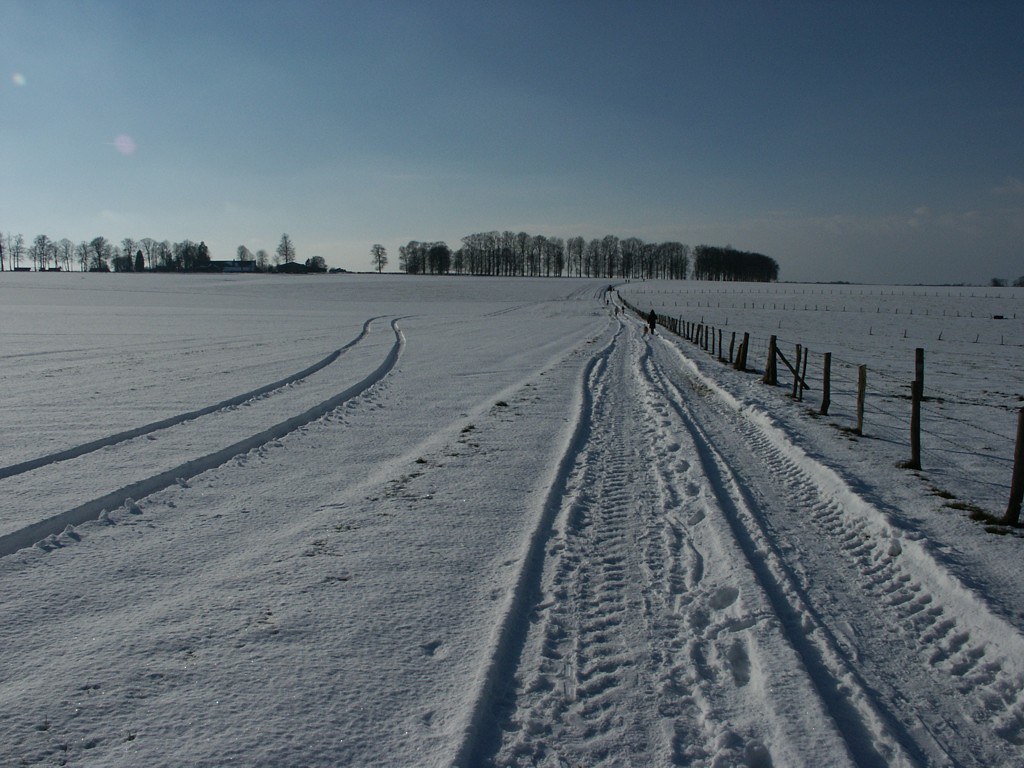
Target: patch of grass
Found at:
501, 404
993, 524
942, 494
976, 512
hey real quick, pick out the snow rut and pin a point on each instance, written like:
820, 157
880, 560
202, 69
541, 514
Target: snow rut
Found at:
146, 429
47, 530
648, 647
929, 671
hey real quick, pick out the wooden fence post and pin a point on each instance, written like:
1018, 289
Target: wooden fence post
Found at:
826, 385
919, 368
803, 377
916, 393
862, 387
796, 369
732, 343
770, 375
741, 357
720, 358
1012, 516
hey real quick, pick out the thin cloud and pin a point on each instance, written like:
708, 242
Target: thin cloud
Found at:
1011, 186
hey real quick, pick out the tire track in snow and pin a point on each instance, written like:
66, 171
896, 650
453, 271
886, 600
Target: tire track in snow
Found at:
145, 429
587, 693
124, 497
507, 310
644, 644
479, 739
909, 644
723, 651
869, 739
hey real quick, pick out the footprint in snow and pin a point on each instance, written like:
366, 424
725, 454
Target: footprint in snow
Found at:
739, 662
433, 649
723, 597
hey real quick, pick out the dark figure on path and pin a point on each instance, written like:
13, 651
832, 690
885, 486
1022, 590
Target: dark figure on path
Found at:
652, 320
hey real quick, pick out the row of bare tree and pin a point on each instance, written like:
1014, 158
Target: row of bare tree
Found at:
522, 254
130, 255
101, 255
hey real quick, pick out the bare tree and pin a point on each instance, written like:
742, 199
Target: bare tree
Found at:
574, 255
40, 252
439, 258
100, 254
128, 249
379, 257
286, 249
165, 254
119, 260
65, 251
82, 254
262, 260
148, 245
15, 249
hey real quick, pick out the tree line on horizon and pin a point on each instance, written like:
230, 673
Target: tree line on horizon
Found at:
713, 263
130, 255
501, 254
519, 254
101, 255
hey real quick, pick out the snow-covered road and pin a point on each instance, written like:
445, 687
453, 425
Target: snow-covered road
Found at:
565, 543
654, 643
714, 596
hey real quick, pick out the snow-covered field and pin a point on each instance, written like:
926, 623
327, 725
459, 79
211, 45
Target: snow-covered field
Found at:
381, 520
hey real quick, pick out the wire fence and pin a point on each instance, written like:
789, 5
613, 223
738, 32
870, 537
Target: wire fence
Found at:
968, 422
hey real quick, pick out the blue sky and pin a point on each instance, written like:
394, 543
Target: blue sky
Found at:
879, 142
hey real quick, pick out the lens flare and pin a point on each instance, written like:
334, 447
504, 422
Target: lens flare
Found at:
125, 144
18, 79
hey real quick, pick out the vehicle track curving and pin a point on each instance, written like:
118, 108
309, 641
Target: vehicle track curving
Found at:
29, 534
120, 437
